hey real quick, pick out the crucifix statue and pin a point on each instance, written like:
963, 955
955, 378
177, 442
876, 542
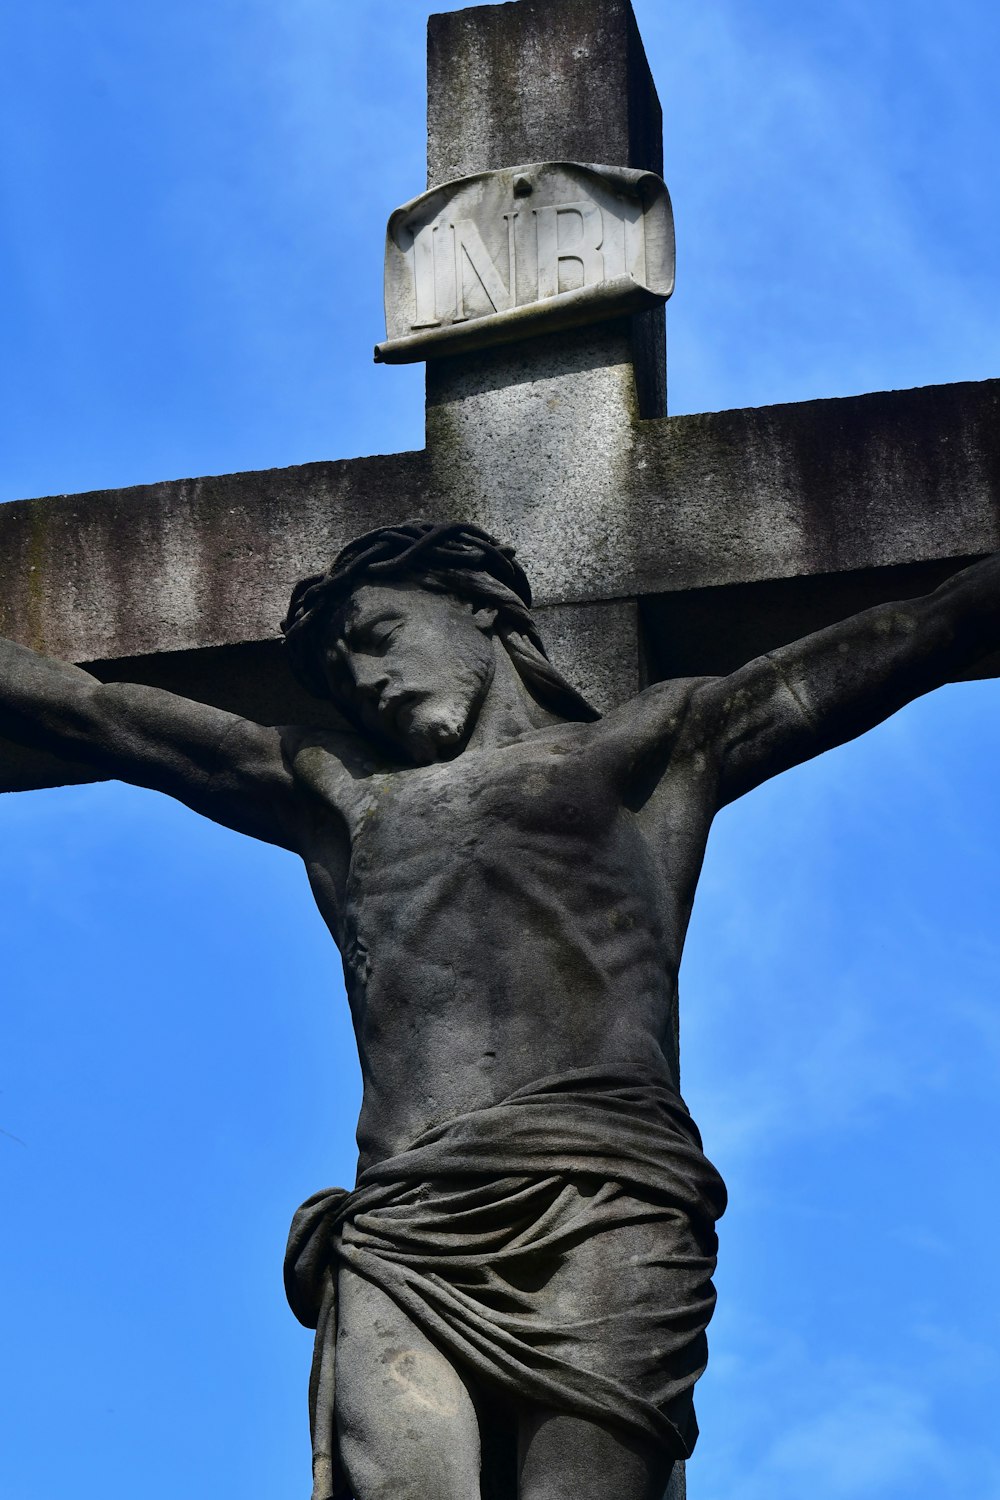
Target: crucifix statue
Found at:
513, 1298
524, 1265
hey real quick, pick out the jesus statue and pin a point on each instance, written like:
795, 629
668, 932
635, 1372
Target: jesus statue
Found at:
513, 1298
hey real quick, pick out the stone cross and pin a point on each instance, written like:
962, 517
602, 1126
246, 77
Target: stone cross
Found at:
697, 542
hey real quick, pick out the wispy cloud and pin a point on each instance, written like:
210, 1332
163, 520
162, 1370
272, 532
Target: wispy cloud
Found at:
813, 269
785, 1421
871, 1437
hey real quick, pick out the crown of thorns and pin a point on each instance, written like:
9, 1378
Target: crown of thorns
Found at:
467, 557
454, 557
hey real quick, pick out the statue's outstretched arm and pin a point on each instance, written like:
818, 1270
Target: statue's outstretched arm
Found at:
827, 688
228, 768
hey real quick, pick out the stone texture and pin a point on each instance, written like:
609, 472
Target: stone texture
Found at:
193, 563
583, 93
813, 487
864, 484
597, 647
522, 251
539, 439
556, 80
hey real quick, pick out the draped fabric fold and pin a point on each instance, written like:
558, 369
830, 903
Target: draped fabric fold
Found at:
559, 1245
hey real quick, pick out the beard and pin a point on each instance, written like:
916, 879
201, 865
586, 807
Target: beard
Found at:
435, 728
436, 725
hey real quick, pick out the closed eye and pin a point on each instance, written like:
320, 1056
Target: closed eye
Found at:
372, 640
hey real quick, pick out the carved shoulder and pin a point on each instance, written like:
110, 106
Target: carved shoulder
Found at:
667, 722
330, 764
660, 716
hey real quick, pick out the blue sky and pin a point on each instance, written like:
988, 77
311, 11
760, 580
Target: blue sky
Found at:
192, 205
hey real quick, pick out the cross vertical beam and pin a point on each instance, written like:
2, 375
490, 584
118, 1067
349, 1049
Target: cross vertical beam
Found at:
549, 423
547, 80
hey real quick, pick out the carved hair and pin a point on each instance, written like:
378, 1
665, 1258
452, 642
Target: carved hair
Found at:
451, 557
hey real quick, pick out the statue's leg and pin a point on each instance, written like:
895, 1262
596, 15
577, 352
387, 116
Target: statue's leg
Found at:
619, 1306
568, 1458
405, 1421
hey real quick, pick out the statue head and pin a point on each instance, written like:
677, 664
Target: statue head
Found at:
402, 629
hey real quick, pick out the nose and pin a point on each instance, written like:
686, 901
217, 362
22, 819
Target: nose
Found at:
370, 677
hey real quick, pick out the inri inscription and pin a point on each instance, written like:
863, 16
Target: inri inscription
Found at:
494, 257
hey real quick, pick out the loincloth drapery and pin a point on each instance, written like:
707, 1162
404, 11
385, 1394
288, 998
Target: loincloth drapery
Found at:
559, 1245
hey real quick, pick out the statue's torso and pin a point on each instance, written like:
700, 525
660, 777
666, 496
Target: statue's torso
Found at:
502, 917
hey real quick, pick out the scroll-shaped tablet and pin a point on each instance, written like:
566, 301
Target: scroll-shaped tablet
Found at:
522, 251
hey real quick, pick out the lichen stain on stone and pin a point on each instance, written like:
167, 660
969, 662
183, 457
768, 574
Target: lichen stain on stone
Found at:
419, 1378
31, 630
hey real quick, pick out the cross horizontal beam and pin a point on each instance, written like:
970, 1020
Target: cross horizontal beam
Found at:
812, 488
862, 498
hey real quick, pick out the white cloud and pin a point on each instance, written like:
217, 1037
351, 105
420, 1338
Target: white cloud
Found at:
876, 1435
785, 1422
818, 214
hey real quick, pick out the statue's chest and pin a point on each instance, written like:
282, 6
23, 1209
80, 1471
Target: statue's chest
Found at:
479, 806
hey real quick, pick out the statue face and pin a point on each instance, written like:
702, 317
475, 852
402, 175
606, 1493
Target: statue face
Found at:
412, 666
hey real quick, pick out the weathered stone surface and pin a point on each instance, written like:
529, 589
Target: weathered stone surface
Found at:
715, 630
708, 520
814, 487
540, 440
192, 563
525, 250
799, 491
597, 647
543, 80
548, 80
501, 928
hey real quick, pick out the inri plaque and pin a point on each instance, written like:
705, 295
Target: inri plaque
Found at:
524, 250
